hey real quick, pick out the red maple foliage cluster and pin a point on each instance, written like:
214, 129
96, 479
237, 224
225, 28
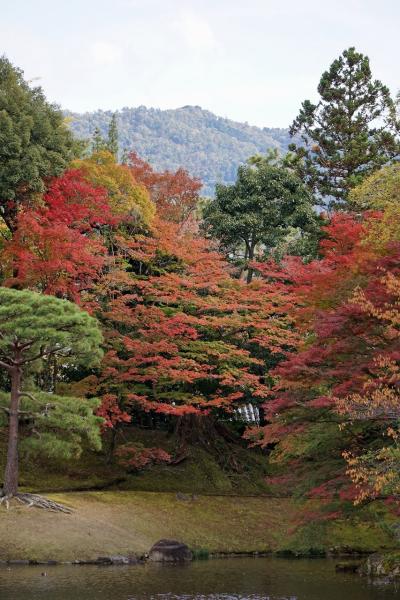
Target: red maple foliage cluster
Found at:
57, 247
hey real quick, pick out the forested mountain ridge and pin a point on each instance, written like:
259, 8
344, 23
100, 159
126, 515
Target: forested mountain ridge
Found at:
208, 146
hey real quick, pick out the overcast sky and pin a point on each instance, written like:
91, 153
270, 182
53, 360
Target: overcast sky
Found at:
250, 60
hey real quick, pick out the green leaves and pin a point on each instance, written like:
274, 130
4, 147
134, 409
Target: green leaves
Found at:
39, 326
34, 142
259, 209
57, 426
350, 133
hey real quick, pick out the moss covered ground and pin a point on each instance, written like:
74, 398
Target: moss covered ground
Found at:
118, 522
199, 501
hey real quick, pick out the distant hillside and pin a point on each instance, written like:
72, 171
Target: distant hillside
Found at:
208, 146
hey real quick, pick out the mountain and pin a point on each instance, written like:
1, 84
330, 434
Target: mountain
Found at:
208, 146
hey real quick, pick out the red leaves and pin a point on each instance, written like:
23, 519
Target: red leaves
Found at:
110, 411
175, 195
347, 308
193, 336
56, 247
136, 457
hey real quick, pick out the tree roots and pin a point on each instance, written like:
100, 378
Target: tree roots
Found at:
36, 501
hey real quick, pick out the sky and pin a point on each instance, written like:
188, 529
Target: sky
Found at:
249, 60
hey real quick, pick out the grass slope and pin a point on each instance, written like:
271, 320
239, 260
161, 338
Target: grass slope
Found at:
109, 523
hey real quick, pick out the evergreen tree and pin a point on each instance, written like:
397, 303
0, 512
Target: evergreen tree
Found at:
34, 141
98, 142
257, 213
36, 328
351, 132
112, 141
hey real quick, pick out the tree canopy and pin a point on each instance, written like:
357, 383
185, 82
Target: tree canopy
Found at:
351, 132
258, 211
34, 329
35, 142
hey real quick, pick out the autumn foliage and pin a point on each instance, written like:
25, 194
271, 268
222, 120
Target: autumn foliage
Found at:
175, 194
57, 247
339, 390
185, 337
315, 345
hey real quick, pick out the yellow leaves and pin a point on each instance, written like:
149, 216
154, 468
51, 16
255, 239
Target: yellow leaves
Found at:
380, 232
126, 196
374, 473
379, 190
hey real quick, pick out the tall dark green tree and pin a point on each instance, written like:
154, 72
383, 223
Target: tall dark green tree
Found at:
351, 131
35, 143
257, 213
98, 143
36, 328
112, 141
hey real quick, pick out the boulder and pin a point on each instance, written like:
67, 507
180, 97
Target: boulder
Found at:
382, 565
347, 567
170, 551
115, 560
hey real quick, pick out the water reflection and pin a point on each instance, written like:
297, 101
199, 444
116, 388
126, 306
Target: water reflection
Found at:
224, 579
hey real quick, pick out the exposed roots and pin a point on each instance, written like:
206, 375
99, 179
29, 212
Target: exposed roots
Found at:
36, 501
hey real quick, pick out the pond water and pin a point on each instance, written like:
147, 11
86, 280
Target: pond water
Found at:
225, 579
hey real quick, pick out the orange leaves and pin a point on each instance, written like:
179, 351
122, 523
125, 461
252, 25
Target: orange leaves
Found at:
187, 337
175, 195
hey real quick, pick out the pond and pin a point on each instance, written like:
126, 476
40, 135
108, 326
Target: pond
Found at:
226, 579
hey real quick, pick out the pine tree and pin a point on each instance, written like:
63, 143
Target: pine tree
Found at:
33, 328
351, 132
98, 142
112, 141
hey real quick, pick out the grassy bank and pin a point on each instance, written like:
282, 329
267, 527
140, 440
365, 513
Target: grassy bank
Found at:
120, 513
107, 523
200, 472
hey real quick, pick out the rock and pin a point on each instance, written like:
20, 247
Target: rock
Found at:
18, 562
119, 560
382, 565
347, 567
170, 551
116, 560
103, 560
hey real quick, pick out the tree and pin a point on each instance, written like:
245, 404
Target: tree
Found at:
56, 247
34, 328
184, 339
112, 140
127, 197
345, 369
351, 132
98, 143
258, 210
35, 143
375, 471
378, 190
175, 194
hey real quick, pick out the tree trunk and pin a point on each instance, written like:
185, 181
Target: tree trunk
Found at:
10, 487
112, 446
250, 270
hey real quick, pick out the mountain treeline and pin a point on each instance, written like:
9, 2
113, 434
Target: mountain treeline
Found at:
209, 147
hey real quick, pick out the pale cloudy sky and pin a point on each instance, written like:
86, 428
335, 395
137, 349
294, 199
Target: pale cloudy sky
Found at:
250, 60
